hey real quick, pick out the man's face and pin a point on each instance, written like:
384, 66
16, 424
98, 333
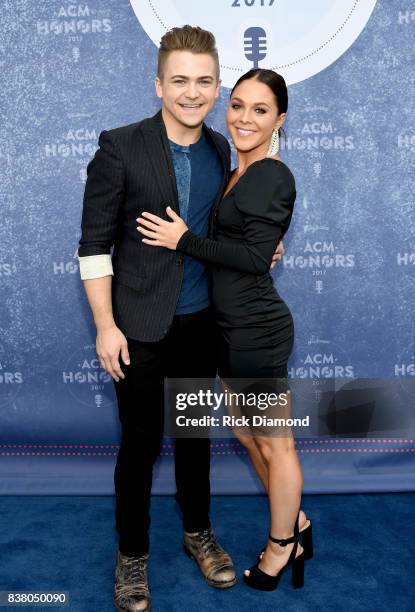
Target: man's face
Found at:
188, 87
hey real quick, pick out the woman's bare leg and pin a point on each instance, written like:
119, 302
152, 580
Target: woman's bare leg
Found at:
261, 467
276, 463
256, 457
285, 482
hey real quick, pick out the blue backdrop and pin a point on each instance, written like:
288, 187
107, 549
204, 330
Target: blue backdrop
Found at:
69, 71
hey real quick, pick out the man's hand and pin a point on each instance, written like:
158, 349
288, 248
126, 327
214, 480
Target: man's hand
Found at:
279, 252
110, 342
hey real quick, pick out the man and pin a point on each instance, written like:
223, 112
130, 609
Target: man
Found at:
156, 310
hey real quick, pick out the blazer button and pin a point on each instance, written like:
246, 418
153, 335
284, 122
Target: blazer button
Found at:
179, 261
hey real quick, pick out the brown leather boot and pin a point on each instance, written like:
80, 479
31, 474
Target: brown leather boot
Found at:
214, 563
131, 586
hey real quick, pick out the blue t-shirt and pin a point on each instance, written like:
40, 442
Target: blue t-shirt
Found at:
199, 174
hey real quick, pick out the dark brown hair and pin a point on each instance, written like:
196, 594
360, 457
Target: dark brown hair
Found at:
187, 38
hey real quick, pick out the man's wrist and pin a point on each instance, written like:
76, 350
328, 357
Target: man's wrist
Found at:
103, 326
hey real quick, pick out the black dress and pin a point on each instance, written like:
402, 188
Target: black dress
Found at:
256, 325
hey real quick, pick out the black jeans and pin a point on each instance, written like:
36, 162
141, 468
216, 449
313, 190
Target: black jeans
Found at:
189, 350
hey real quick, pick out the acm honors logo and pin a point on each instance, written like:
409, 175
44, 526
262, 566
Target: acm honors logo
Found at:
85, 380
11, 373
405, 364
318, 364
70, 266
320, 136
404, 372
77, 144
7, 269
406, 141
405, 259
75, 19
321, 358
406, 17
298, 39
319, 133
399, 234
316, 261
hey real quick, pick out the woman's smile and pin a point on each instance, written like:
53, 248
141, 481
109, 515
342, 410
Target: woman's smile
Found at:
245, 132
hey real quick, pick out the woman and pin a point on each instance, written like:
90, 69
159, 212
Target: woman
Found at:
256, 325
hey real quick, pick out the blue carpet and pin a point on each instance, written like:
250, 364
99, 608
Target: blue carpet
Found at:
364, 553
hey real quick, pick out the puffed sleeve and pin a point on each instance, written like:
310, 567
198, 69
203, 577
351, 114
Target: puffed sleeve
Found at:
265, 196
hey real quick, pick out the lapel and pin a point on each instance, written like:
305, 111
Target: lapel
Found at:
158, 150
220, 150
225, 159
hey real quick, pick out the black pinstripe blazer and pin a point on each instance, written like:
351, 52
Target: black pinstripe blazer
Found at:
132, 172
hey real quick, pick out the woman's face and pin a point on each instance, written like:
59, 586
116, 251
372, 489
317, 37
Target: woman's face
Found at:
252, 115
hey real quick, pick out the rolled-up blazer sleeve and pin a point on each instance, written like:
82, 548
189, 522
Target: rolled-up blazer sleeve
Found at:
103, 199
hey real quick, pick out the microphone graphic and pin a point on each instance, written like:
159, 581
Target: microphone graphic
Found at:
255, 45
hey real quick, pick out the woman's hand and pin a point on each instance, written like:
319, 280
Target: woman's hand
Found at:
278, 254
162, 233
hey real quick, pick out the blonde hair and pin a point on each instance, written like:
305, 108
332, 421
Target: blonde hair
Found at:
187, 38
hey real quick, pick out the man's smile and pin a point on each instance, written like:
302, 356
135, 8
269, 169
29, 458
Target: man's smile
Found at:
190, 106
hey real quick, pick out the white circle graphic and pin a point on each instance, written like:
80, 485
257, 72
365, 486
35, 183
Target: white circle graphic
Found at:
297, 39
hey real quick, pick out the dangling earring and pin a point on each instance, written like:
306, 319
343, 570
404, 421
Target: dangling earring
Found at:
274, 145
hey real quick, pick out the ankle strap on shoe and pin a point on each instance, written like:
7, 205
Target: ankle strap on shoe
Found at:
284, 542
290, 540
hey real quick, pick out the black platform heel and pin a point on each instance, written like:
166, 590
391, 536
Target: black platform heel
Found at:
306, 541
258, 579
